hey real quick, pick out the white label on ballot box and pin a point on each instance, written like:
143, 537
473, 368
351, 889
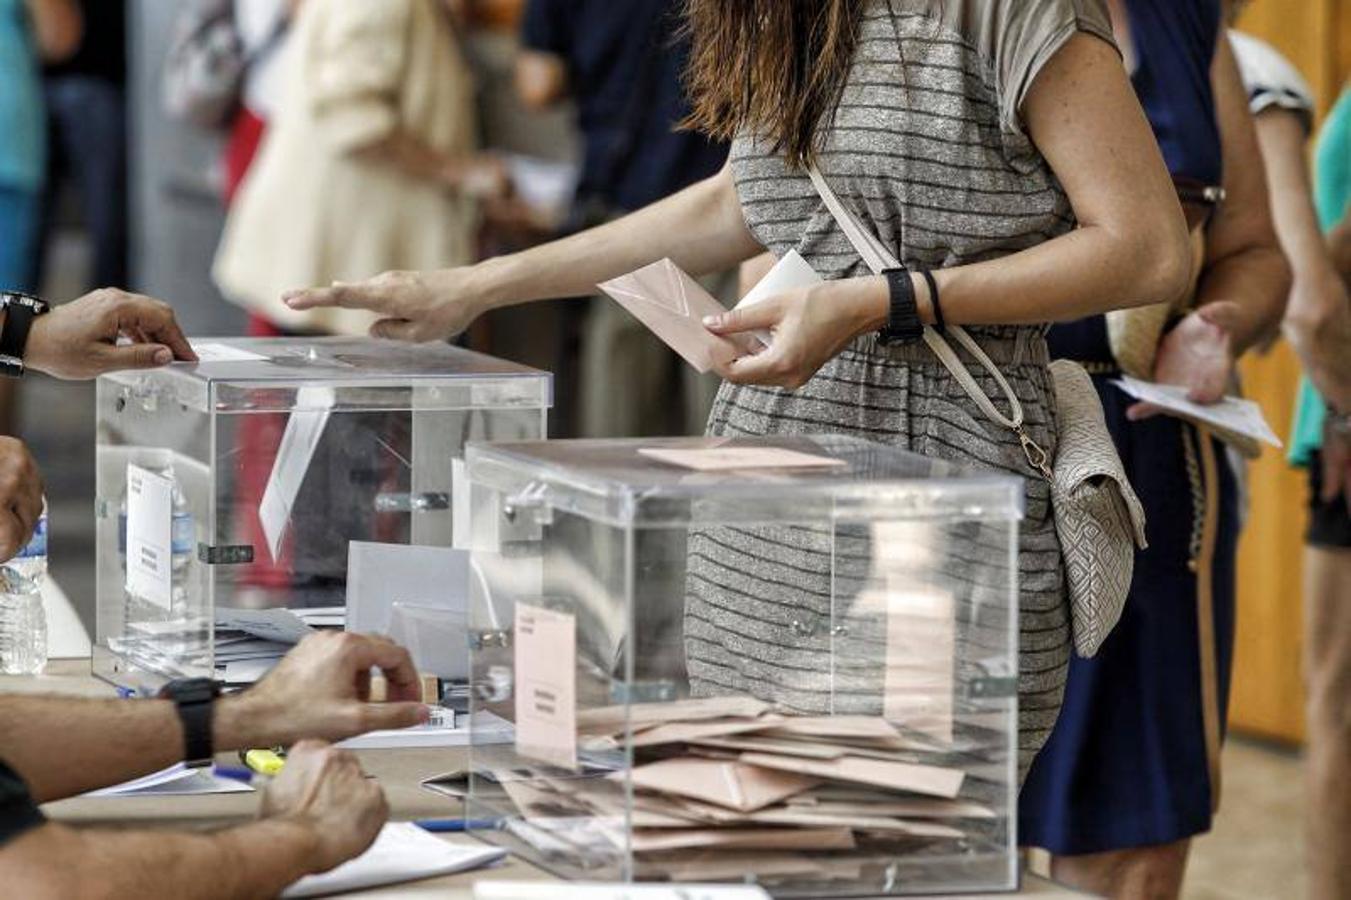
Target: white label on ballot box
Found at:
150, 519
546, 685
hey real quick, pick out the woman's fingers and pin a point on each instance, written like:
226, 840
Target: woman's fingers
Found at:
345, 296
760, 316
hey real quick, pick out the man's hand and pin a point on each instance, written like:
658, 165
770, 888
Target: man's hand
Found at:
1197, 354
78, 340
324, 790
322, 690
20, 497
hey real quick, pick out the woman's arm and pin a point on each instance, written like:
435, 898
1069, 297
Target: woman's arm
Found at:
701, 229
58, 27
1131, 248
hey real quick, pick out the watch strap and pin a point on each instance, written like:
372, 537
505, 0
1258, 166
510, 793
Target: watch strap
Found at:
195, 700
20, 311
903, 322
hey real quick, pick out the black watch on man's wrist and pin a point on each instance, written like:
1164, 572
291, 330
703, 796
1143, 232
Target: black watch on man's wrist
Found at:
196, 702
20, 310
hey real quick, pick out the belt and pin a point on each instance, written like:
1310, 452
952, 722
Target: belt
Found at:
1026, 347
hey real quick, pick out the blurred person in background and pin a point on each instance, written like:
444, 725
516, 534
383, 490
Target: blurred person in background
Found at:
622, 65
1318, 325
370, 160
87, 125
30, 31
1131, 772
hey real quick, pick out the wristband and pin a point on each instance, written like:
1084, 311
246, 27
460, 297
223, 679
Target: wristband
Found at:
195, 699
903, 322
929, 278
20, 311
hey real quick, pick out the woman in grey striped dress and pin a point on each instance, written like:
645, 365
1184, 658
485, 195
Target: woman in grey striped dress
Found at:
997, 142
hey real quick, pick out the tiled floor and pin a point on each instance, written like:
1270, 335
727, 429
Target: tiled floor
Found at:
1257, 847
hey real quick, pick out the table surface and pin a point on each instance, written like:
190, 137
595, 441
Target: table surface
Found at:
400, 773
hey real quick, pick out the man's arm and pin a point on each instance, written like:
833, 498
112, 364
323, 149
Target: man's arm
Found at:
1244, 263
1318, 321
65, 746
319, 812
58, 28
541, 79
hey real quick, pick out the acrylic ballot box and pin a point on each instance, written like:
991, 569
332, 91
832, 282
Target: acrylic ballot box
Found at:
788, 660
246, 485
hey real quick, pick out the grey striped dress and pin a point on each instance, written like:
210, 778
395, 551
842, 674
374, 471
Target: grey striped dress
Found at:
928, 147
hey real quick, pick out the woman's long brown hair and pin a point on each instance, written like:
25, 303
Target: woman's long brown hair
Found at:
775, 68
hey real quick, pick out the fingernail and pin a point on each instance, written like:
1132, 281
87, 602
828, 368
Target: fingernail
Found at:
163, 356
712, 321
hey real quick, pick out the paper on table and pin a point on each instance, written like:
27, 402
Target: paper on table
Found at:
931, 781
304, 429
1232, 415
177, 779
217, 353
150, 511
549, 890
723, 459
402, 852
486, 728
673, 306
789, 273
275, 624
727, 783
246, 671
546, 685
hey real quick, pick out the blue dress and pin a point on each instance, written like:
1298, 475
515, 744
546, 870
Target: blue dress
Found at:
1129, 762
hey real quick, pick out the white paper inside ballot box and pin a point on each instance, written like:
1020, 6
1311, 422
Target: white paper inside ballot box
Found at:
919, 684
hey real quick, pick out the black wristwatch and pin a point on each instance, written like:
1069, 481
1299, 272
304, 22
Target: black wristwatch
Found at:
196, 701
903, 322
20, 310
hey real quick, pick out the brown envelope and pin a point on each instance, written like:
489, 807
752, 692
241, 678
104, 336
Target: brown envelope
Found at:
673, 306
732, 865
687, 732
929, 780
611, 719
834, 727
854, 822
727, 783
907, 807
745, 839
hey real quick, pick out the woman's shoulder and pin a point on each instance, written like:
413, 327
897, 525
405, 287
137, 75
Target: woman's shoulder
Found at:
993, 26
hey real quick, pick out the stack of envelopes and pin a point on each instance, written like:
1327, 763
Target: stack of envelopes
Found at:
729, 775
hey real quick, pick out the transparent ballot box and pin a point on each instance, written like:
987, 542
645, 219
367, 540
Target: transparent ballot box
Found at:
235, 495
789, 660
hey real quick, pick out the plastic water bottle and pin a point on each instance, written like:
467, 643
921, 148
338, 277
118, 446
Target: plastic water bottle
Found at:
32, 559
23, 625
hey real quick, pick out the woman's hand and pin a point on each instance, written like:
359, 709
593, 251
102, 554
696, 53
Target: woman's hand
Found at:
1318, 326
810, 327
1197, 354
416, 306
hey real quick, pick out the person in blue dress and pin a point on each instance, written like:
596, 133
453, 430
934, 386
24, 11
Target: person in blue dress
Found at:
1131, 771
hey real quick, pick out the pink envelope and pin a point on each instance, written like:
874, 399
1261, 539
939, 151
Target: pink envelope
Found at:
673, 306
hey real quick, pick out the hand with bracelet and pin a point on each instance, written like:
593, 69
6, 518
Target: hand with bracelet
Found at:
813, 325
105, 331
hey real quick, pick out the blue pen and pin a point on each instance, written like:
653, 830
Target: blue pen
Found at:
446, 826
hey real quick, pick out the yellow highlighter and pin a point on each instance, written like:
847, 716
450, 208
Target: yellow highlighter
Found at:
264, 762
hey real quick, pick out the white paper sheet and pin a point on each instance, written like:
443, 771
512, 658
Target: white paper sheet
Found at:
546, 685
177, 779
402, 852
216, 353
280, 625
150, 511
544, 890
724, 459
790, 273
380, 575
304, 429
1233, 414
486, 728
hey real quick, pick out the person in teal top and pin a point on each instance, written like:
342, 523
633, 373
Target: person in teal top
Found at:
22, 145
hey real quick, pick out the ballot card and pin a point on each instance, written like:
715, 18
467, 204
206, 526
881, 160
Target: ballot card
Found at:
789, 273
546, 685
726, 459
304, 430
150, 516
208, 352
